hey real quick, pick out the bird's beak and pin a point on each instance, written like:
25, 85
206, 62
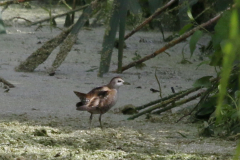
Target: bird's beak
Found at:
126, 83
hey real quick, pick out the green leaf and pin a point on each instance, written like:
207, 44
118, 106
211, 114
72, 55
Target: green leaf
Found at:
184, 8
229, 50
207, 107
216, 58
185, 28
222, 28
182, 11
237, 95
193, 41
203, 62
234, 25
203, 82
189, 13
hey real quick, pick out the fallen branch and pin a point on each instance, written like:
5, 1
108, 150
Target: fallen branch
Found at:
213, 81
13, 2
67, 44
172, 43
166, 98
5, 82
60, 15
207, 92
179, 103
67, 38
21, 18
155, 14
41, 54
172, 98
162, 104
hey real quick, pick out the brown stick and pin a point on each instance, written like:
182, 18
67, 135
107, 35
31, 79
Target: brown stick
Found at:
13, 2
180, 102
167, 101
21, 18
155, 14
188, 91
206, 94
172, 43
166, 98
164, 103
10, 85
60, 15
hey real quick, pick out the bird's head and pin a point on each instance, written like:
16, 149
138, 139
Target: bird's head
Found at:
116, 82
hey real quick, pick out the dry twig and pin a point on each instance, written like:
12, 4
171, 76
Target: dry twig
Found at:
163, 103
60, 15
166, 98
172, 43
5, 82
155, 14
13, 2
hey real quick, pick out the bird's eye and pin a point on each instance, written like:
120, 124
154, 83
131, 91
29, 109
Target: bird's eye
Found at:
119, 81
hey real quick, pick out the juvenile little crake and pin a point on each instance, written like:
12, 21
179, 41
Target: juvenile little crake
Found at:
100, 99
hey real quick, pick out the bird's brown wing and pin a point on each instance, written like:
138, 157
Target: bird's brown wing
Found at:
103, 94
99, 92
97, 97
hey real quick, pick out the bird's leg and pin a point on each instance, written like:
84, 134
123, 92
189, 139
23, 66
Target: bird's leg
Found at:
100, 121
90, 120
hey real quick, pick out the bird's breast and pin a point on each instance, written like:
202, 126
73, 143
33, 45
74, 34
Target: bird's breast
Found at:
114, 97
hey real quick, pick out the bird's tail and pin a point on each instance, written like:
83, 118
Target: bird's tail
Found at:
80, 95
81, 105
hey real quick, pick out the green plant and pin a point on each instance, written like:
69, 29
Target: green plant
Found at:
137, 57
52, 21
226, 56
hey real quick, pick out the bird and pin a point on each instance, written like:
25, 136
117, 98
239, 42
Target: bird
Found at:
99, 100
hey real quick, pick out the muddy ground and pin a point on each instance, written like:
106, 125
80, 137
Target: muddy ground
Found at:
38, 119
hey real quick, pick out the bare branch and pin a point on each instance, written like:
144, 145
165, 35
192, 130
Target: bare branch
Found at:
172, 43
155, 14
